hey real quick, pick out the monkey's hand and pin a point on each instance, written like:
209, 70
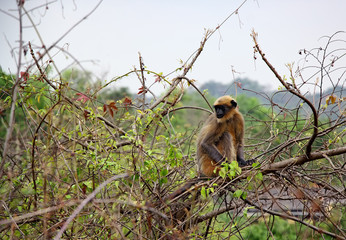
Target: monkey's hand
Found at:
243, 163
221, 160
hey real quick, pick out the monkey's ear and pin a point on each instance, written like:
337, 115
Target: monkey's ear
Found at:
234, 103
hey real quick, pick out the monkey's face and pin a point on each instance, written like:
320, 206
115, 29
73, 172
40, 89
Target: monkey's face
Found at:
222, 110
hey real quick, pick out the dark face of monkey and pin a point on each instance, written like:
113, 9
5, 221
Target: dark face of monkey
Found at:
221, 110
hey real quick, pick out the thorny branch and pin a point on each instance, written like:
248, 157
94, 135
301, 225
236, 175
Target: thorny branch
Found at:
86, 200
293, 91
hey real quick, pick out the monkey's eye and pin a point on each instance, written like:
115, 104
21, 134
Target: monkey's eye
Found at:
219, 107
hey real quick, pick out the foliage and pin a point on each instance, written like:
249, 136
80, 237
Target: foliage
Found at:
81, 159
33, 94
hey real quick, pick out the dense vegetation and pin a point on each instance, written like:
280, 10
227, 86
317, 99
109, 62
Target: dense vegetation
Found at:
82, 159
73, 150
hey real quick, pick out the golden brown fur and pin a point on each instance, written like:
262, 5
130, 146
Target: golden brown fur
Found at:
221, 138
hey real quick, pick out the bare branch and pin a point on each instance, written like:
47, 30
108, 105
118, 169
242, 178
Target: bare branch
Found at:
14, 95
85, 201
296, 161
293, 91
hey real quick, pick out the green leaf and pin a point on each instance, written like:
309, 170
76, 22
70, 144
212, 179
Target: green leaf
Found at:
256, 165
246, 209
244, 195
164, 172
234, 165
231, 174
259, 176
163, 180
222, 172
89, 184
28, 190
238, 193
203, 193
179, 155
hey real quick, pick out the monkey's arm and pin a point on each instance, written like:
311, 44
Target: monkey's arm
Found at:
213, 153
208, 145
240, 156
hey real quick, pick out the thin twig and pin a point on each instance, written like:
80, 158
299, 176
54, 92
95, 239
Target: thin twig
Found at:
85, 201
194, 86
14, 95
285, 216
293, 91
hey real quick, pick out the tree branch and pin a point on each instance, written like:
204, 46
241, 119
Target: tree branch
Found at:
278, 166
284, 216
85, 201
14, 95
291, 90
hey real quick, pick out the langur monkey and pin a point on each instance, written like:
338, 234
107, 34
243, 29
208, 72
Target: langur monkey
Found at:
221, 138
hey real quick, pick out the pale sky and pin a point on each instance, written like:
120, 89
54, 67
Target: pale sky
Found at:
169, 30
